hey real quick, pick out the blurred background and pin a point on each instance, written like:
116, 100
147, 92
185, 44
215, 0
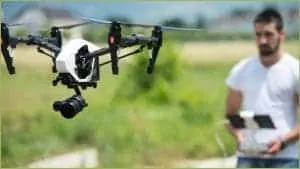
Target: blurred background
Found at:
133, 119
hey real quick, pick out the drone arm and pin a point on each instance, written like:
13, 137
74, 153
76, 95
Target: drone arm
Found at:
127, 41
45, 53
132, 40
97, 53
126, 55
49, 46
32, 40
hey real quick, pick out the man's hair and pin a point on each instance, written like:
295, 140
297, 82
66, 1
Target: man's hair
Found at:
270, 15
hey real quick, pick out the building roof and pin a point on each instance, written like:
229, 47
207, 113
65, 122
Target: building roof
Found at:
49, 10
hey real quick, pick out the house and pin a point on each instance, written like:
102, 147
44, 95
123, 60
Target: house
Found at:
42, 16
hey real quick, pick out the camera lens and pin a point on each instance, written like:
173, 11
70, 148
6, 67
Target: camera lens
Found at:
70, 107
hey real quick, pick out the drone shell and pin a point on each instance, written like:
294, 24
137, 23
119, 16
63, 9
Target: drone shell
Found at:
65, 61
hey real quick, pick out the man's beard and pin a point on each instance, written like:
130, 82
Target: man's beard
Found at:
267, 50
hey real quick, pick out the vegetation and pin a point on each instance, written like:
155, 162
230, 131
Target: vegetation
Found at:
133, 119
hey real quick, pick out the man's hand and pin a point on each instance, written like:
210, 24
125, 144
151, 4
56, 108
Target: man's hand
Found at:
274, 147
239, 139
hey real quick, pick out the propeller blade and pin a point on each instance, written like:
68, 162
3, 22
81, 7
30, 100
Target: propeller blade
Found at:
168, 28
181, 28
99, 21
18, 24
73, 25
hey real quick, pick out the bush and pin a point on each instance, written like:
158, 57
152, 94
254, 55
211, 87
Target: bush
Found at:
94, 34
156, 86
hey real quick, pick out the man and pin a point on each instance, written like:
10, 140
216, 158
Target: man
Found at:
268, 83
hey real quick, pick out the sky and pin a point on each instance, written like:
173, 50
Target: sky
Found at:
143, 12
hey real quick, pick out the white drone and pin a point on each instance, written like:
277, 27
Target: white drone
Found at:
77, 62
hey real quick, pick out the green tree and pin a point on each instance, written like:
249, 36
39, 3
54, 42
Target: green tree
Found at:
118, 18
201, 21
175, 21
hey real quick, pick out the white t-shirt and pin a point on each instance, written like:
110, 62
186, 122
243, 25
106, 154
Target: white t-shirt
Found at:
269, 91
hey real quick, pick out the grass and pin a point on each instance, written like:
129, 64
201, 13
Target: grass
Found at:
133, 119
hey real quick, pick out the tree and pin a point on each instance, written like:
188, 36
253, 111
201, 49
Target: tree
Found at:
201, 22
176, 22
241, 12
118, 18
271, 6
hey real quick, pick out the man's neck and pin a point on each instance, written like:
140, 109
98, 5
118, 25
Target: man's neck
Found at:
271, 60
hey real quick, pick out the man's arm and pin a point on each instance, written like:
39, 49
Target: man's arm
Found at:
233, 104
294, 134
291, 136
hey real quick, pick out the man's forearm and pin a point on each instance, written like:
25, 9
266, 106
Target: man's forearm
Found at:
292, 135
234, 132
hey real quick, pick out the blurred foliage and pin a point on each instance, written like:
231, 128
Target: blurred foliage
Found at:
92, 33
133, 119
66, 34
118, 18
20, 32
201, 22
155, 86
175, 22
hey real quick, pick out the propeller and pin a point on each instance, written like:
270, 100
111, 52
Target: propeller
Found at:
168, 28
18, 24
73, 25
60, 27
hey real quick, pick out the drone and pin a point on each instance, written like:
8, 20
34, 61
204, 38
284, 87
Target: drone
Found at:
77, 62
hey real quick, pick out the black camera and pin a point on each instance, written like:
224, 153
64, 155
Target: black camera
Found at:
71, 106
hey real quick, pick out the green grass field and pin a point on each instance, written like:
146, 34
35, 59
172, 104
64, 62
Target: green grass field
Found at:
133, 119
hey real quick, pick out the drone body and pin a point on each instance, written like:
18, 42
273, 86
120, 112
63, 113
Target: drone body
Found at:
70, 54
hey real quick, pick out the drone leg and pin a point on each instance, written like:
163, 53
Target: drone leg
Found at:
126, 55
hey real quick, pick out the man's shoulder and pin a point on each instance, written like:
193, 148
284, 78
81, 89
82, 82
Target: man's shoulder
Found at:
237, 71
291, 59
244, 62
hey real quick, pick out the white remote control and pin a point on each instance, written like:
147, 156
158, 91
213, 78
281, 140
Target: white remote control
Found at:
250, 143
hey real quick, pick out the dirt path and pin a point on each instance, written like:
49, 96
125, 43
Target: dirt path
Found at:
82, 159
209, 163
89, 159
